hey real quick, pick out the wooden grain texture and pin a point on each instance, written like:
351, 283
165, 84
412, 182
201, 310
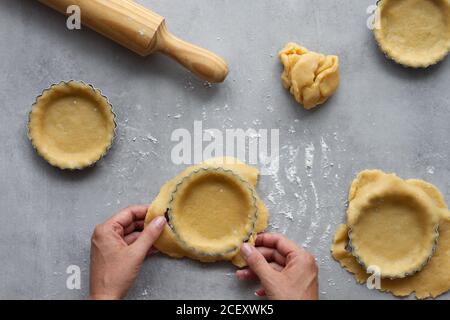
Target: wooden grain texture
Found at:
144, 32
201, 62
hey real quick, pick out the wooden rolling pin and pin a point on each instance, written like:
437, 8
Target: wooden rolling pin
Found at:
144, 32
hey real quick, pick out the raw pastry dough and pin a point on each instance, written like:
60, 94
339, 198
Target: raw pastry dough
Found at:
221, 199
311, 77
434, 279
414, 33
215, 238
393, 224
71, 125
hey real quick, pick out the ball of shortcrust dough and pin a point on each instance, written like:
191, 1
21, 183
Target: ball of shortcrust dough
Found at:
311, 77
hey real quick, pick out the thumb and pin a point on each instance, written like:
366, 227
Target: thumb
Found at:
149, 235
256, 262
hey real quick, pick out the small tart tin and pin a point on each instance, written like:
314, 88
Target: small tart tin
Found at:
183, 242
389, 55
95, 91
351, 249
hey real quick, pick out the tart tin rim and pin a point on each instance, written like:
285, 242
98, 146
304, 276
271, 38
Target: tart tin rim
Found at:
183, 243
417, 65
96, 91
405, 274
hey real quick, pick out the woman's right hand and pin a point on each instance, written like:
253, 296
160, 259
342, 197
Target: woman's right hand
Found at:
286, 271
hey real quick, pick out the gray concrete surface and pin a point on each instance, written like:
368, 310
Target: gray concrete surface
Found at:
384, 116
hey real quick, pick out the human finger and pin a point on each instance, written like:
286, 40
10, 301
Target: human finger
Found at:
248, 274
256, 262
260, 292
272, 255
134, 226
152, 251
150, 234
278, 242
131, 238
126, 216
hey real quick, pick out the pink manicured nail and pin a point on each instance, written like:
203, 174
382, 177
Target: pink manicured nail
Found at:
246, 250
159, 222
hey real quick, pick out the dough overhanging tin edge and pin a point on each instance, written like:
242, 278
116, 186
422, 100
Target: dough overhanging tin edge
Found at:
96, 91
183, 243
431, 282
365, 177
388, 53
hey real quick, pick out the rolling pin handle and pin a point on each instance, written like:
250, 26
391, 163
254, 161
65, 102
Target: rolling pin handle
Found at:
199, 61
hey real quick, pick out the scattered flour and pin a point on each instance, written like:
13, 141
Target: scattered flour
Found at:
325, 237
316, 197
256, 122
326, 165
293, 177
151, 138
276, 197
287, 213
189, 85
315, 216
309, 158
278, 190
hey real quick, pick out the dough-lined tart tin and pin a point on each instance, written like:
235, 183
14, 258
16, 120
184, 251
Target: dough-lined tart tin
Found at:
212, 211
393, 229
72, 125
404, 274
413, 33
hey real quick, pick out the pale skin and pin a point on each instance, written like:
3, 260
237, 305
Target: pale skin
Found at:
120, 246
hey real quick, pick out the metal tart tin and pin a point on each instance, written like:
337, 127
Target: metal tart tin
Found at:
96, 90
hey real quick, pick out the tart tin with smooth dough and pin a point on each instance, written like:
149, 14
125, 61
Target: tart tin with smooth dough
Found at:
395, 276
383, 218
169, 244
71, 125
414, 33
229, 225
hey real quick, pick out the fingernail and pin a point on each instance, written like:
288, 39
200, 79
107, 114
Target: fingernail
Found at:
246, 250
159, 222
